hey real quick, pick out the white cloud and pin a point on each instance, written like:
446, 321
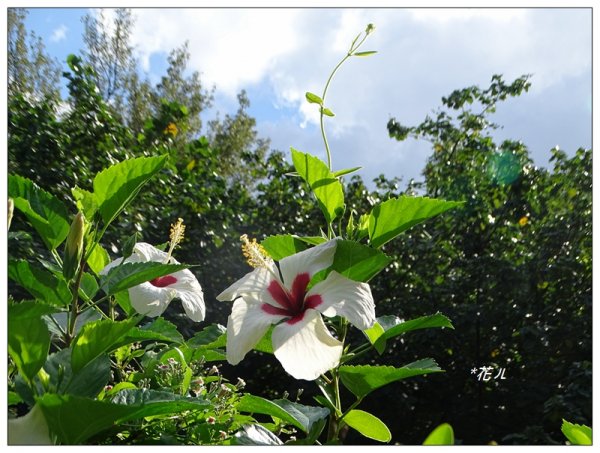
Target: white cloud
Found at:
59, 34
422, 55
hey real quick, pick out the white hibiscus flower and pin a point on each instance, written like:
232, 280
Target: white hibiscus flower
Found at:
153, 297
301, 341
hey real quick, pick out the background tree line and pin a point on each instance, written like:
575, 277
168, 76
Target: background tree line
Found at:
512, 269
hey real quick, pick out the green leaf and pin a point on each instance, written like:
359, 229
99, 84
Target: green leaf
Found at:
302, 417
116, 186
14, 398
325, 186
366, 53
363, 379
313, 98
160, 329
256, 435
390, 218
88, 382
346, 171
75, 419
282, 245
368, 425
213, 336
266, 344
85, 201
577, 434
28, 337
128, 275
327, 112
122, 299
358, 262
96, 338
442, 435
46, 213
394, 326
41, 284
373, 334
89, 285
98, 259
312, 240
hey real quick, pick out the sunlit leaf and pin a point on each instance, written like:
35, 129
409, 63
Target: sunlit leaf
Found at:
390, 218
46, 213
368, 425
442, 435
116, 186
325, 186
577, 434
41, 284
363, 379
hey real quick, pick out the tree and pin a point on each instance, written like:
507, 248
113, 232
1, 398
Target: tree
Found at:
512, 271
109, 53
31, 71
236, 139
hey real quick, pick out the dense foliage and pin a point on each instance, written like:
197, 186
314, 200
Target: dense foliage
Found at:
511, 268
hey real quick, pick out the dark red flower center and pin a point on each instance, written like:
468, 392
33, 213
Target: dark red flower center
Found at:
161, 282
292, 303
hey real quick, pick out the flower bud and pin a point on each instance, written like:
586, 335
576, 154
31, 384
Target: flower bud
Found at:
74, 247
11, 207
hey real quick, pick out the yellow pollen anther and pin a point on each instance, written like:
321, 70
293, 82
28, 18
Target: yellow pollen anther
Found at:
175, 237
256, 255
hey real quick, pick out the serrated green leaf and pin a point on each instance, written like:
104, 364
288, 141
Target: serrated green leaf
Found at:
282, 245
442, 435
46, 213
28, 337
326, 187
87, 382
390, 218
75, 419
363, 379
160, 330
313, 98
41, 284
98, 337
368, 425
577, 434
128, 275
357, 261
213, 336
394, 326
299, 415
116, 186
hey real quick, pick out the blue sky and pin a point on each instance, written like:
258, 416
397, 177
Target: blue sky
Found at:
423, 54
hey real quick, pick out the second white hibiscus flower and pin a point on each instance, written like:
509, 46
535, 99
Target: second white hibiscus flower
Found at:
268, 295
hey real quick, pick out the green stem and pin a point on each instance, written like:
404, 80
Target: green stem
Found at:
74, 303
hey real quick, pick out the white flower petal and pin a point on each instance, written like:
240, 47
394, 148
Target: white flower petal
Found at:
30, 429
309, 261
191, 295
253, 282
151, 300
147, 252
305, 348
341, 296
246, 325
